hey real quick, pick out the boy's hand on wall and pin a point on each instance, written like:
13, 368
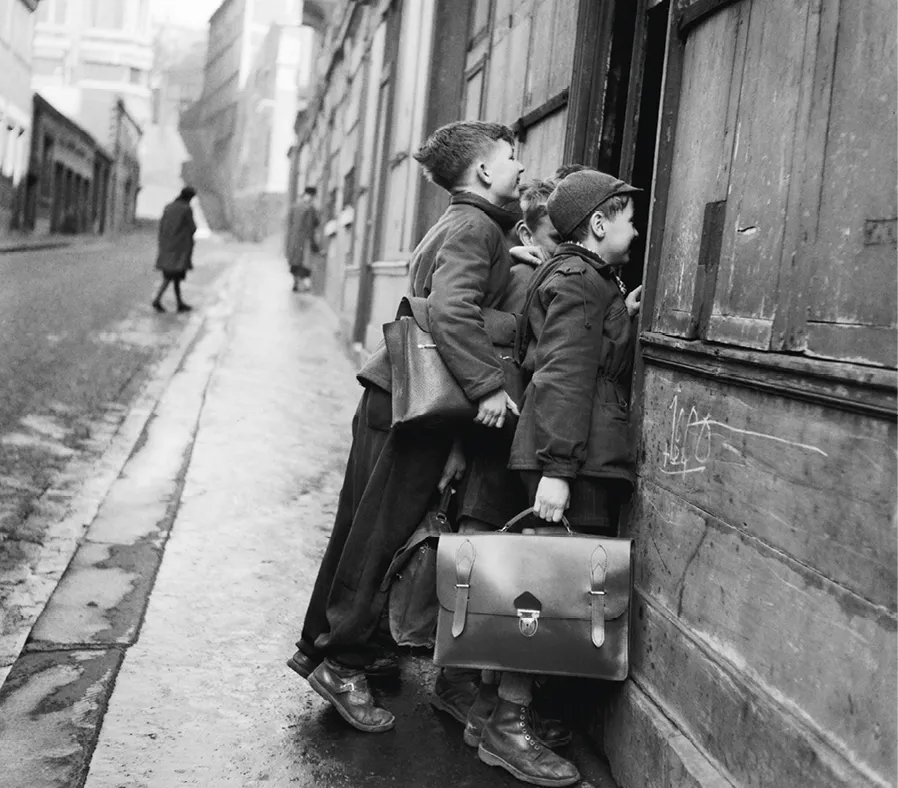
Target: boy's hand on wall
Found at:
491, 409
634, 301
553, 496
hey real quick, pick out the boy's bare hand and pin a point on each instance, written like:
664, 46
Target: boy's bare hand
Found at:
455, 466
553, 496
527, 254
491, 409
634, 301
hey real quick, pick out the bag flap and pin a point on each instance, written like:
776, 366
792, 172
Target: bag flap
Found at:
554, 569
432, 527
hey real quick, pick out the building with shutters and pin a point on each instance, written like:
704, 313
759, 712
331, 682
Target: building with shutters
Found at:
16, 32
764, 621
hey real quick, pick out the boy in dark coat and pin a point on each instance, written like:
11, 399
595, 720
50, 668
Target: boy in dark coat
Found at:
461, 267
572, 443
176, 229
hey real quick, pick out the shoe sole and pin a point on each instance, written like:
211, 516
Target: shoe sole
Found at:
494, 760
391, 673
302, 670
437, 703
359, 726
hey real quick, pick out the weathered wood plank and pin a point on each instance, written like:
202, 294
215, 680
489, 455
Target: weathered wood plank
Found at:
853, 274
698, 158
730, 716
646, 751
760, 176
564, 29
820, 651
815, 483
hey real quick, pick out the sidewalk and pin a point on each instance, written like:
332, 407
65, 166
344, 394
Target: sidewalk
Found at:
145, 680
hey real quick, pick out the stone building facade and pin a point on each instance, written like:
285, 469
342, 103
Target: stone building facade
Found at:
16, 32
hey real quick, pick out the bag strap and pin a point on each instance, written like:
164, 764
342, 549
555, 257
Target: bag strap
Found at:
444, 500
598, 570
464, 566
527, 513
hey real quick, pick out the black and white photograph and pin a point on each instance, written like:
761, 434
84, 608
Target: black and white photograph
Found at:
448, 393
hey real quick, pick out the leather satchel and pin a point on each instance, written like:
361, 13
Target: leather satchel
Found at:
534, 603
411, 580
425, 393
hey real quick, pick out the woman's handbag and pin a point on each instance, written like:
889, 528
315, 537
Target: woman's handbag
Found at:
535, 603
425, 393
411, 580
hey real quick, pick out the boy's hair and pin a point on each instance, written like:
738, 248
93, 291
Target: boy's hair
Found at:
566, 169
447, 154
534, 196
610, 208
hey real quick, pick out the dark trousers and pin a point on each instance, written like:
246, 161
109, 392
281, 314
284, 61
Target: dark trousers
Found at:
390, 480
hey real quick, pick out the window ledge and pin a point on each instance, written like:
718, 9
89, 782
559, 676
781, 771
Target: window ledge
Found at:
852, 387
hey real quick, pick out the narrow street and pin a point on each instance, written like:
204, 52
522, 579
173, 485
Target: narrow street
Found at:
159, 659
82, 358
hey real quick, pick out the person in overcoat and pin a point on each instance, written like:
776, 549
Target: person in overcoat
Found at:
175, 254
301, 240
461, 268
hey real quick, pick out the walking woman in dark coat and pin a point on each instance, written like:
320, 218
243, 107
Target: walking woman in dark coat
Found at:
176, 229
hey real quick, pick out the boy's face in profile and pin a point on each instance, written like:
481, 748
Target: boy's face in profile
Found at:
619, 234
504, 170
544, 236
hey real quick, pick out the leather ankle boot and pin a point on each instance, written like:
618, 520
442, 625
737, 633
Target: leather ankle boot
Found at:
480, 712
509, 741
453, 697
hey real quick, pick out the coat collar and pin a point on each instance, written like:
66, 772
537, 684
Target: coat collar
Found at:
570, 247
505, 219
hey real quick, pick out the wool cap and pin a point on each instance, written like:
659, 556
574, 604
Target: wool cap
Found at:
581, 193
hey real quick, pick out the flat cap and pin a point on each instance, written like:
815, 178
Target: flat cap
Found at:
581, 193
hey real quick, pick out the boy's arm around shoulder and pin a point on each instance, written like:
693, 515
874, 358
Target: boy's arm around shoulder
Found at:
566, 366
461, 273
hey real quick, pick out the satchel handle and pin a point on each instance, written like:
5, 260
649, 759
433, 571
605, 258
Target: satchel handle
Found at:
527, 513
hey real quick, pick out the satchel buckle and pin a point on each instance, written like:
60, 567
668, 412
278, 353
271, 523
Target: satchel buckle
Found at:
528, 622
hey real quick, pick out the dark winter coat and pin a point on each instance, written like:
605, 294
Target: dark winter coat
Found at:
462, 268
580, 346
303, 225
176, 229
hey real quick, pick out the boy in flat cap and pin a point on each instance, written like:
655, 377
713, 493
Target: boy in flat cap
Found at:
572, 444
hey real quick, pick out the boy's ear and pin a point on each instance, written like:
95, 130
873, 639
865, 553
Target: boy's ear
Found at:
597, 224
524, 234
483, 173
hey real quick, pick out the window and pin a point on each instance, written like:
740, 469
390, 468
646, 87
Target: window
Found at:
480, 17
106, 14
104, 72
46, 66
137, 76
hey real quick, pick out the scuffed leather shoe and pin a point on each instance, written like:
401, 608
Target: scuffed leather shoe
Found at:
453, 697
385, 667
552, 733
480, 712
350, 696
509, 742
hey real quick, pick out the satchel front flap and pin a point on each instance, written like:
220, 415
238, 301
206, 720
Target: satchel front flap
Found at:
554, 569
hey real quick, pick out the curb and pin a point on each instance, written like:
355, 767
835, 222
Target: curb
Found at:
66, 532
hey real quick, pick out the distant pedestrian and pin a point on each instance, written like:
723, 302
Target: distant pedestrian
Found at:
301, 239
176, 229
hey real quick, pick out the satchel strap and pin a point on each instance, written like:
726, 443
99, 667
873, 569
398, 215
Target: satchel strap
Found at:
598, 570
464, 566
